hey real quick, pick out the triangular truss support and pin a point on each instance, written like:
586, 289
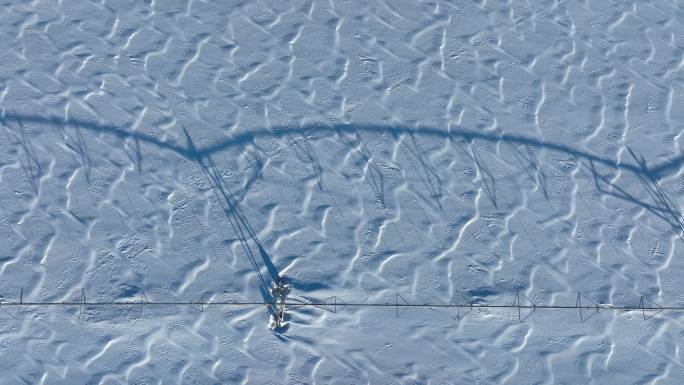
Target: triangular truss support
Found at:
643, 307
517, 304
578, 304
8, 313
143, 300
324, 304
397, 296
82, 301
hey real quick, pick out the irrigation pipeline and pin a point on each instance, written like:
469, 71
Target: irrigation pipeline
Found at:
332, 304
348, 304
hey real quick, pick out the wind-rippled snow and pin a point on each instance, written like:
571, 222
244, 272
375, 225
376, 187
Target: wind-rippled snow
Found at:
372, 148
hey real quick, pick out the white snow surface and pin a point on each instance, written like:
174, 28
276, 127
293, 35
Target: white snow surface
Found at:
425, 148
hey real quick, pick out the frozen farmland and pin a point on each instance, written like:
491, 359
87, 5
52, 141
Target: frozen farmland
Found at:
341, 192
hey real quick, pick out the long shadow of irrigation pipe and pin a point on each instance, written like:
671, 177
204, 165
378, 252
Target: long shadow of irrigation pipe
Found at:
654, 171
648, 175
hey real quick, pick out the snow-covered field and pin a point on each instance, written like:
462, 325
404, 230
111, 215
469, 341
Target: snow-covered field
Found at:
195, 150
